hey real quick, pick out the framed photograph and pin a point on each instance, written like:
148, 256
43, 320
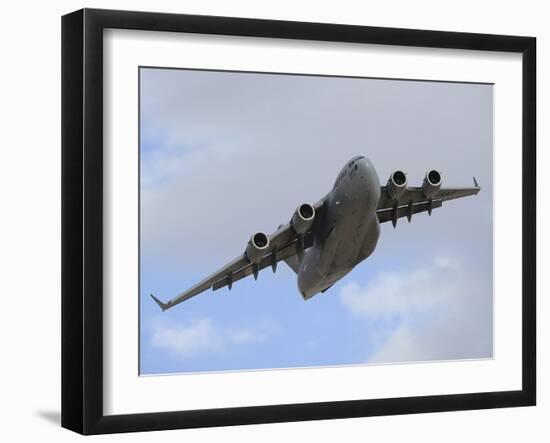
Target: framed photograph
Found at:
268, 221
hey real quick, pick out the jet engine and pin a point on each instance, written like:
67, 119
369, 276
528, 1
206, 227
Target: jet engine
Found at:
303, 218
431, 183
257, 247
396, 185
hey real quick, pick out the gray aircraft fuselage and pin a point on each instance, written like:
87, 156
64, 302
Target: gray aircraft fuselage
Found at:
348, 232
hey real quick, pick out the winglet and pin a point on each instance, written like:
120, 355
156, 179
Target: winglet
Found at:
162, 305
475, 183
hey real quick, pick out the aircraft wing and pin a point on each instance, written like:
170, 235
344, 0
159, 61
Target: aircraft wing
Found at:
413, 201
283, 243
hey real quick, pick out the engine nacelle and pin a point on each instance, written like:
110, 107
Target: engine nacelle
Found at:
303, 218
432, 183
396, 185
256, 247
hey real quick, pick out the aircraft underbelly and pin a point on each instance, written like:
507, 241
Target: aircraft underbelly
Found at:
326, 263
349, 230
327, 252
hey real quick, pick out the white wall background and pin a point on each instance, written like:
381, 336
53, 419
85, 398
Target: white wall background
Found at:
30, 218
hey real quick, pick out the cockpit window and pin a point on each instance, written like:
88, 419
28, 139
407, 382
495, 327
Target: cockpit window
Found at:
354, 160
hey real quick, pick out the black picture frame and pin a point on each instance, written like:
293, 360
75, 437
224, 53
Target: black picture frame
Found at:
82, 216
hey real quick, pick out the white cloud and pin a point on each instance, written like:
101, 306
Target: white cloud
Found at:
200, 336
402, 294
247, 336
186, 340
433, 313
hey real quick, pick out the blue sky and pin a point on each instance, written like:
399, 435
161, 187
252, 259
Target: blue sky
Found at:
224, 155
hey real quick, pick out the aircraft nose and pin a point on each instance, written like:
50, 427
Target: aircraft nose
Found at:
362, 165
367, 165
365, 161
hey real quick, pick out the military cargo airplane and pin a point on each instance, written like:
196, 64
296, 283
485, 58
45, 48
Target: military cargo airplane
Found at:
323, 242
